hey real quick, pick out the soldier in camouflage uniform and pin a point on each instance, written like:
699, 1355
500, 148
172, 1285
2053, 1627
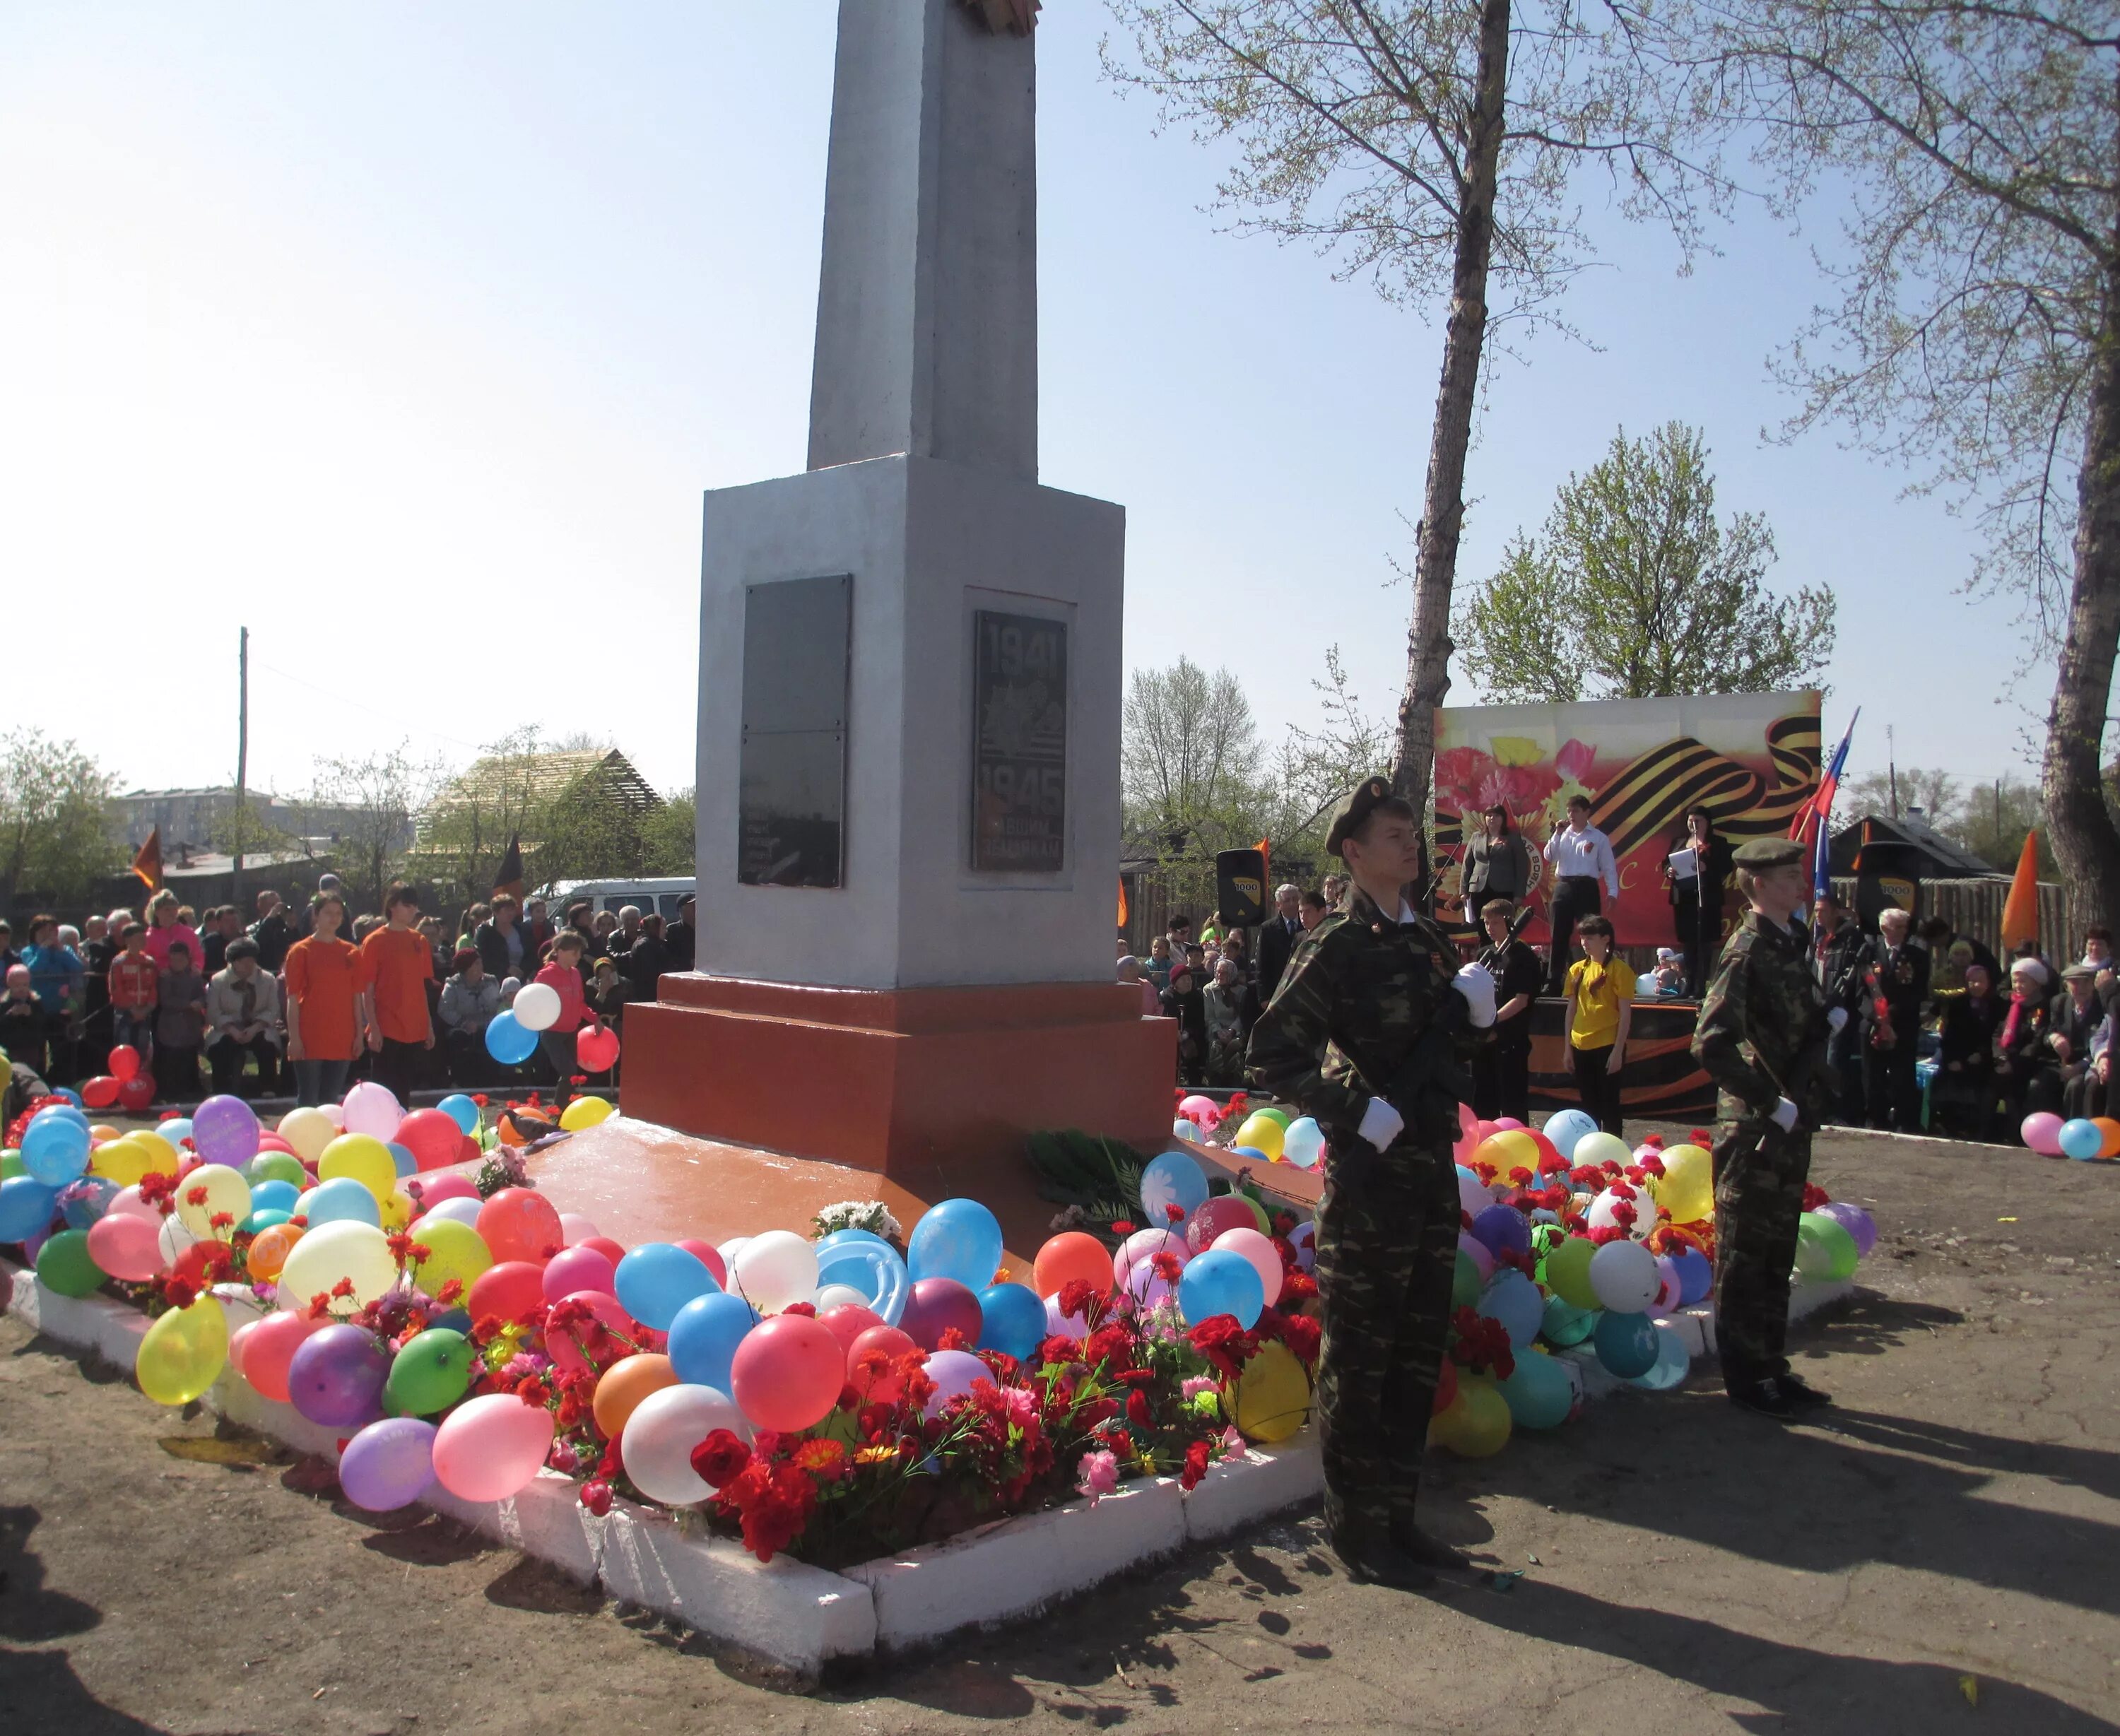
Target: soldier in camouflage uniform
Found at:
1761, 1037
1358, 1035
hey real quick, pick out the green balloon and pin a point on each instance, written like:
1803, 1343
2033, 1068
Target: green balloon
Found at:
1465, 1282
276, 1166
263, 1220
11, 1164
1825, 1251
1565, 1323
430, 1374
63, 1265
1275, 1112
1567, 1272
1539, 1393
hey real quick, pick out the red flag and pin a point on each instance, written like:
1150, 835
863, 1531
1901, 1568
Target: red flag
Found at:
1123, 902
1266, 864
147, 864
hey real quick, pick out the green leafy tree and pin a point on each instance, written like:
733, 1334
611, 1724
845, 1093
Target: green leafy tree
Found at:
1633, 592
670, 835
57, 839
1189, 761
385, 790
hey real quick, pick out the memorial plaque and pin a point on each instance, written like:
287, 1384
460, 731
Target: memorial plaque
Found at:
792, 778
1018, 744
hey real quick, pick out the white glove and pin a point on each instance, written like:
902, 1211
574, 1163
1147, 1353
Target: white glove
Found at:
1381, 1123
1475, 982
1784, 1115
1835, 1017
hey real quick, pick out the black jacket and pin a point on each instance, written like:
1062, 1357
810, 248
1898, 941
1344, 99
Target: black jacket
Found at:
643, 965
493, 953
1902, 983
1714, 875
1969, 1029
273, 937
1276, 940
682, 940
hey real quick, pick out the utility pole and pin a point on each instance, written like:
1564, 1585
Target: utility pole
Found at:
1892, 768
242, 759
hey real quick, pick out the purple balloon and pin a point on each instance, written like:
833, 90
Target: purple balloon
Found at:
936, 1305
336, 1376
953, 1373
225, 1131
389, 1464
1856, 1221
1146, 1286
1504, 1229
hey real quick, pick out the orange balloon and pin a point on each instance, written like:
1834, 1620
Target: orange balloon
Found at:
2109, 1129
1073, 1254
624, 1384
269, 1252
100, 1131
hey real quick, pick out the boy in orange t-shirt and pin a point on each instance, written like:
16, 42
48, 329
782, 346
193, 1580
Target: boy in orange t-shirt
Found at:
400, 964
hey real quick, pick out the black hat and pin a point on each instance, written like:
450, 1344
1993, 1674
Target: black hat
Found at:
1759, 854
1355, 810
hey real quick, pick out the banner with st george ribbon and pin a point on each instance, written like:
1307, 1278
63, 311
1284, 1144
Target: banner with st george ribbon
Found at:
1751, 759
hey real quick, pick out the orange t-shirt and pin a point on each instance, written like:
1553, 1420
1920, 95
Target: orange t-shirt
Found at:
401, 964
323, 977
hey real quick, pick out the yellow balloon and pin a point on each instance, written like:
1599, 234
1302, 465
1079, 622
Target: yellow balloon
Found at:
357, 1253
164, 1159
124, 1160
364, 1159
1687, 1189
183, 1351
454, 1251
1511, 1148
1273, 1394
225, 1191
1476, 1424
1262, 1133
586, 1111
396, 1213
309, 1132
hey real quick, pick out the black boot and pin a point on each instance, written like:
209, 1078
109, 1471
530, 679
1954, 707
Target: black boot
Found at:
1418, 1547
1373, 1561
1801, 1393
1765, 1397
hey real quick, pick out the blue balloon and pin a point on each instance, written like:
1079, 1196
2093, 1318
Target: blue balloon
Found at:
1539, 1393
1012, 1320
1696, 1275
401, 1156
507, 1042
69, 1093
1565, 1323
1503, 1228
27, 1206
1566, 1129
55, 1148
958, 1239
67, 1111
86, 1200
1513, 1302
1177, 1179
703, 1338
340, 1200
176, 1130
2080, 1140
1250, 1151
1626, 1344
259, 1221
456, 1320
1670, 1367
657, 1280
460, 1109
869, 1265
1220, 1282
273, 1196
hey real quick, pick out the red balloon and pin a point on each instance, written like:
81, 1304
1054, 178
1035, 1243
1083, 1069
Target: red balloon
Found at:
846, 1323
520, 1224
470, 1151
124, 1062
937, 1304
612, 1251
1217, 1216
885, 1388
273, 1141
1446, 1388
596, 1047
788, 1373
507, 1291
99, 1093
137, 1093
709, 1256
270, 1347
432, 1137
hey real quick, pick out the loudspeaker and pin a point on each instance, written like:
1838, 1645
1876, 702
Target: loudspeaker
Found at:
1240, 888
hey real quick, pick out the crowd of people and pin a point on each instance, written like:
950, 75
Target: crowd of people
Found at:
308, 1000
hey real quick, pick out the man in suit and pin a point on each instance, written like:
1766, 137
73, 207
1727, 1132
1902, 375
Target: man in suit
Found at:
1277, 936
1899, 987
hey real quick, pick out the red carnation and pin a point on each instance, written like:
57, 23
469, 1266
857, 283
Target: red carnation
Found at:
1137, 1411
1196, 1465
719, 1457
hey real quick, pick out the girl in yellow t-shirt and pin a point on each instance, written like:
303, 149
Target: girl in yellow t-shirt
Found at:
1601, 997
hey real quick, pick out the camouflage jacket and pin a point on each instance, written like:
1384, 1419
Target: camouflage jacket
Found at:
1359, 992
1763, 1011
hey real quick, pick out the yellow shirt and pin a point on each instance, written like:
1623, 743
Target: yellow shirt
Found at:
1599, 991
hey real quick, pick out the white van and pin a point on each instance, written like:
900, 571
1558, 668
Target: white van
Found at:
652, 897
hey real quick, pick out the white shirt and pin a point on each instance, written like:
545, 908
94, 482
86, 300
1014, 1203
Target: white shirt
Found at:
1586, 854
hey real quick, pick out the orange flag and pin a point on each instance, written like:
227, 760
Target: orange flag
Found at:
1122, 903
2021, 911
1266, 863
148, 863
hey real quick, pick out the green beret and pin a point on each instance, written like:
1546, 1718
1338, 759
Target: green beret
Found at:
1760, 854
1355, 810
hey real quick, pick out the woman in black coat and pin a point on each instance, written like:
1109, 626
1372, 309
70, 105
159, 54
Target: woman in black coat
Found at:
1697, 899
1185, 1001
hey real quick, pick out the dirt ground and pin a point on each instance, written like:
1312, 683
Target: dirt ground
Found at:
1938, 1555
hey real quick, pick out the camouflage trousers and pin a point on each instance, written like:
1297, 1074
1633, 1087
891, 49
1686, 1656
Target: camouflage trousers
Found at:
1758, 1199
1386, 1245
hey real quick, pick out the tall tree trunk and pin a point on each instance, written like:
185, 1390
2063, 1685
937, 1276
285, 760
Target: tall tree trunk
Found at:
2078, 822
1443, 505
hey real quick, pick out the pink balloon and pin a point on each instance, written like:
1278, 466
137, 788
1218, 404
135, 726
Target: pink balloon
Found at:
490, 1448
126, 1202
435, 1189
707, 1254
1142, 1243
566, 1353
575, 1228
1264, 1257
847, 1322
579, 1269
240, 1341
125, 1246
1508, 1124
1468, 1133
372, 1109
788, 1373
1478, 1252
953, 1373
2042, 1133
936, 1305
269, 1348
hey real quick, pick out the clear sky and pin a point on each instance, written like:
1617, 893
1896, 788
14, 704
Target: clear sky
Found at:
409, 335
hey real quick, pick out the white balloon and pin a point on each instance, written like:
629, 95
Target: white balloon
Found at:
1624, 1275
536, 1006
840, 1296
458, 1210
574, 1227
658, 1438
1472, 1194
1601, 1148
175, 1238
371, 1109
1304, 1144
772, 1270
1603, 1212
